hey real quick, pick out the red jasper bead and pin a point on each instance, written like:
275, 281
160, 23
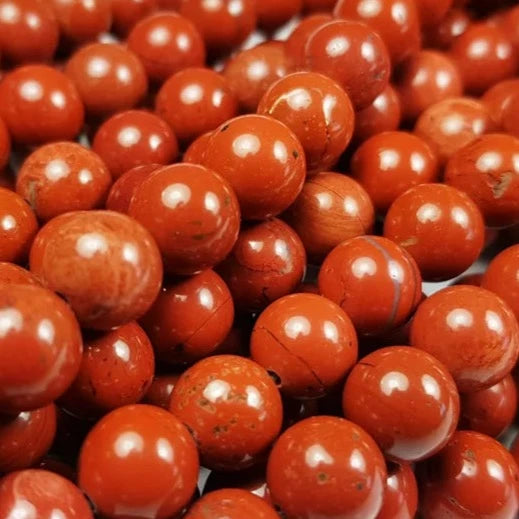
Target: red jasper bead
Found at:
396, 21
424, 79
116, 370
108, 76
307, 341
382, 115
474, 476
160, 390
488, 171
453, 24
195, 101
451, 124
354, 55
134, 138
190, 318
483, 47
272, 14
509, 23
389, 163
472, 331
263, 161
330, 209
18, 227
43, 494
105, 264
401, 494
432, 221
502, 277
498, 97
191, 212
431, 12
510, 116
317, 110
386, 385
26, 437
13, 274
40, 104
376, 282
40, 333
29, 31
62, 177
252, 71
267, 262
5, 145
126, 185
139, 460
233, 409
231, 503
224, 24
326, 467
126, 13
490, 411
470, 279
166, 42
83, 20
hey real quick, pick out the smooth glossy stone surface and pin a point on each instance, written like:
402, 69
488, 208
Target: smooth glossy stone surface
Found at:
272, 13
406, 400
453, 24
191, 212
5, 145
305, 341
488, 171
472, 331
474, 476
61, 177
376, 282
401, 494
497, 98
159, 392
432, 11
14, 274
127, 13
267, 262
40, 333
40, 104
327, 467
190, 318
317, 110
139, 460
390, 163
42, 493
233, 409
440, 226
105, 264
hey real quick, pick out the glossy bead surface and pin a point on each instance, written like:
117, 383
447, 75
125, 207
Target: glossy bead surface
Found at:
41, 334
267, 262
159, 392
134, 138
472, 331
108, 76
103, 263
396, 21
5, 145
452, 25
231, 503
307, 341
474, 476
272, 14
232, 408
127, 13
390, 163
195, 101
116, 370
401, 494
432, 11
424, 79
26, 437
330, 209
510, 121
490, 411
191, 212
166, 43
14, 274
139, 460
29, 31
43, 493
262, 160
440, 226
498, 97
406, 400
376, 282
488, 171
61, 177
317, 110
40, 104
326, 467
190, 318
18, 226
451, 124
335, 49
